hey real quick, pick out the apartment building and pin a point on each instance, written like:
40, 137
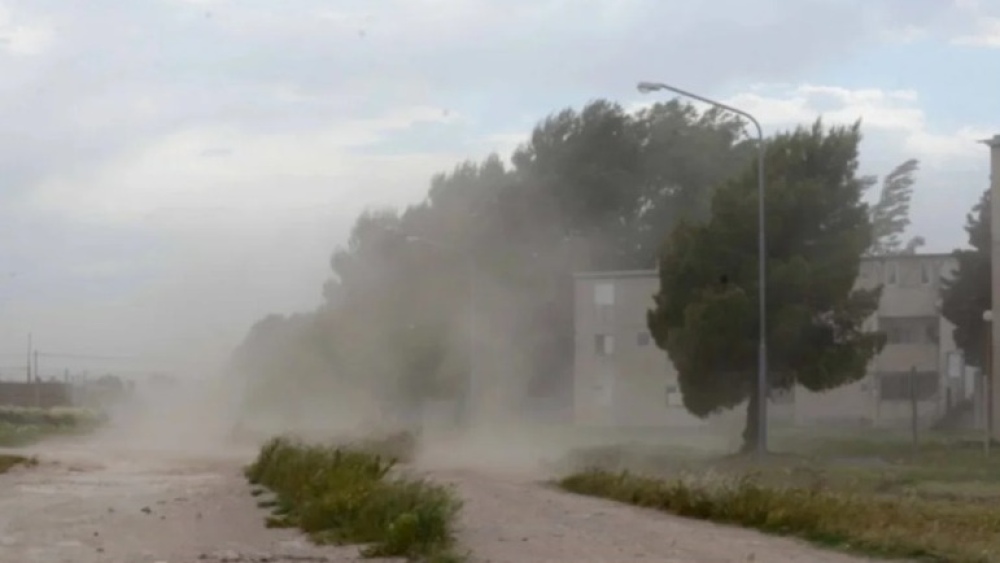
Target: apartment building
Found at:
623, 379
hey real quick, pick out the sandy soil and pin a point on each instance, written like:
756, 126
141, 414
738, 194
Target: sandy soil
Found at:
89, 502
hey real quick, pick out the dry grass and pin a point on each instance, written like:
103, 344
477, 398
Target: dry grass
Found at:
345, 495
936, 502
896, 527
8, 462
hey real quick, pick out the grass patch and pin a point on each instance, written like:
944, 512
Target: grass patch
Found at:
8, 462
346, 495
880, 525
25, 426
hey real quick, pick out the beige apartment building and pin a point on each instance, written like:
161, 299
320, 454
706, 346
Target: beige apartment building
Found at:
623, 379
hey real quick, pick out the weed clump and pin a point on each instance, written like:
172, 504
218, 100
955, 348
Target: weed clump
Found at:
895, 527
8, 462
344, 495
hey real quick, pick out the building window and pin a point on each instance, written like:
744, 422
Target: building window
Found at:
910, 330
604, 294
604, 344
673, 396
782, 396
604, 300
891, 273
906, 386
926, 274
642, 339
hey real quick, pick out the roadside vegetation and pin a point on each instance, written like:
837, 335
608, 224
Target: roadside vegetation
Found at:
933, 502
24, 426
354, 495
10, 461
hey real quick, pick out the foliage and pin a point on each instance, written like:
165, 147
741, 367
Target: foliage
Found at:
597, 188
8, 462
706, 312
890, 216
966, 294
24, 426
343, 495
893, 527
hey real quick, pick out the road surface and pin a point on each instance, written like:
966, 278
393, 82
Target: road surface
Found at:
91, 503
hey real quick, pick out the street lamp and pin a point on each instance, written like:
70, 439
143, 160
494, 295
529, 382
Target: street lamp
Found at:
470, 262
762, 386
988, 379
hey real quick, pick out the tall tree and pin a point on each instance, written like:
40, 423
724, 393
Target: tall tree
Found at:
890, 216
705, 313
594, 188
965, 295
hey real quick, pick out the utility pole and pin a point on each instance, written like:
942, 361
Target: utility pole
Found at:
914, 413
28, 370
988, 381
38, 394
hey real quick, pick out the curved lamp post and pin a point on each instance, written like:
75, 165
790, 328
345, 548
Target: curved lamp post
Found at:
762, 385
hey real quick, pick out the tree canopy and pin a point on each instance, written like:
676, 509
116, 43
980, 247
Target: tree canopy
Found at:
706, 311
596, 188
890, 216
965, 295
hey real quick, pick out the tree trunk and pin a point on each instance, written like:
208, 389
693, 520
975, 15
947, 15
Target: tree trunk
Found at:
751, 430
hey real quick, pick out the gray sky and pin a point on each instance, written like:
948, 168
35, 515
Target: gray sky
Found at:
174, 169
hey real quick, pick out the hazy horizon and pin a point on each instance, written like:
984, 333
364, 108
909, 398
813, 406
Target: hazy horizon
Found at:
179, 169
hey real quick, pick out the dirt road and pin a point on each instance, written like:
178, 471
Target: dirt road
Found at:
88, 504
511, 519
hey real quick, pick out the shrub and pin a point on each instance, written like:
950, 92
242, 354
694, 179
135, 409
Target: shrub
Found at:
22, 426
8, 462
877, 525
343, 495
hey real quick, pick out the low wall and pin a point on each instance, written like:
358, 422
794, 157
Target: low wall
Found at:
43, 394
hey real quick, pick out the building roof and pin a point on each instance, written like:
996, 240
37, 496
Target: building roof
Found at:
617, 274
652, 272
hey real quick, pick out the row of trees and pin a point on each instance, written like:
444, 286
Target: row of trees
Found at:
599, 189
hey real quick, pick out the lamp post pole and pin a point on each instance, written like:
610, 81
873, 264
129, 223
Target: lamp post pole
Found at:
762, 384
988, 380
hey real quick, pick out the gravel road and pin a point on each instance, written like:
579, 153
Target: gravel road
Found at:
89, 503
86, 504
512, 519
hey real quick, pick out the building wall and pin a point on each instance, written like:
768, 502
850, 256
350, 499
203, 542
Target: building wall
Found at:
910, 296
636, 384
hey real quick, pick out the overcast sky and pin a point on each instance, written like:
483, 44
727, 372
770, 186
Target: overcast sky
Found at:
174, 169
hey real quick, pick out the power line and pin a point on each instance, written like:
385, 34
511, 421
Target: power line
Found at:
70, 356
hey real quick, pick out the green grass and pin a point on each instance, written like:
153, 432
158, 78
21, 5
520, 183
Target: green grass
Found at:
347, 495
877, 495
24, 426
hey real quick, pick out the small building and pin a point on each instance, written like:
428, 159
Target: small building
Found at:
621, 378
